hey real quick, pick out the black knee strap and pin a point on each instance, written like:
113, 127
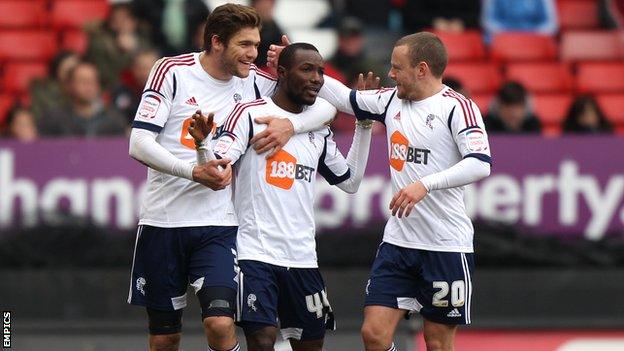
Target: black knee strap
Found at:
164, 322
217, 301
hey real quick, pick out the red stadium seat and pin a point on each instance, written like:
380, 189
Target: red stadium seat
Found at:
578, 14
613, 107
76, 13
17, 75
600, 77
541, 77
478, 78
75, 40
27, 44
592, 45
464, 46
523, 47
23, 13
483, 102
551, 109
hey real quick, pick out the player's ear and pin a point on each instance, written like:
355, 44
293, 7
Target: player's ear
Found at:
281, 72
422, 68
216, 42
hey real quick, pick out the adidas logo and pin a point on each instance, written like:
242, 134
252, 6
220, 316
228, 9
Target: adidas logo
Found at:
192, 101
398, 116
454, 313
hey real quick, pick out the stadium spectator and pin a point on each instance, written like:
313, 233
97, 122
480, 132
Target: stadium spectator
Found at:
456, 85
20, 125
127, 95
84, 114
586, 117
511, 112
537, 16
113, 43
49, 93
270, 32
442, 15
173, 23
611, 13
351, 58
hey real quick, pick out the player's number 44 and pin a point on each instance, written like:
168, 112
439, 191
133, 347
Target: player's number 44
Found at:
316, 303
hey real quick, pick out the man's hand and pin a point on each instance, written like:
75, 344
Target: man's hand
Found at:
274, 137
403, 202
211, 174
275, 51
200, 126
370, 82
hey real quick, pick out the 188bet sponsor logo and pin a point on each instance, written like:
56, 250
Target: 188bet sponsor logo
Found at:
282, 170
401, 152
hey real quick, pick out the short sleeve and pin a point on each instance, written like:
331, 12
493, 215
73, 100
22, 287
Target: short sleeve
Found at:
157, 97
468, 129
332, 164
264, 83
233, 136
371, 104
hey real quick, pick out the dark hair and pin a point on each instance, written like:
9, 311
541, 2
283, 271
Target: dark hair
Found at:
578, 106
427, 47
287, 57
452, 83
56, 61
512, 93
228, 19
10, 116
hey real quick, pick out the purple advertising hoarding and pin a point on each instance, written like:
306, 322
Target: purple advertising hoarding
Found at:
564, 186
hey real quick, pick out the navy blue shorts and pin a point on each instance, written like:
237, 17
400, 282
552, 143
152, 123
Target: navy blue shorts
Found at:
436, 284
167, 260
293, 298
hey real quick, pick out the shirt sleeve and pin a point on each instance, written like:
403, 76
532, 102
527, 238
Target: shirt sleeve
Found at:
468, 129
366, 104
320, 114
157, 97
233, 136
264, 83
332, 164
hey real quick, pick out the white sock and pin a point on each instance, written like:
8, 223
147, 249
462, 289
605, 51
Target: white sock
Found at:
235, 348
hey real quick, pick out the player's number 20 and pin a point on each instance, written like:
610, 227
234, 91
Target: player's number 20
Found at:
457, 290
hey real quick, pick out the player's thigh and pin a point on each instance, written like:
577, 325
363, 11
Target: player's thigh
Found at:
304, 309
213, 270
159, 269
446, 287
260, 336
307, 345
258, 298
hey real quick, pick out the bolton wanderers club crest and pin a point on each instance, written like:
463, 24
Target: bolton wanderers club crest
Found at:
237, 98
251, 299
429, 121
140, 283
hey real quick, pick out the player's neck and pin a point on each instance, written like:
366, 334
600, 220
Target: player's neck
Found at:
212, 64
283, 101
426, 90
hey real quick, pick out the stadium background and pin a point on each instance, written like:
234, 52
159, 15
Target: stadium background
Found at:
548, 221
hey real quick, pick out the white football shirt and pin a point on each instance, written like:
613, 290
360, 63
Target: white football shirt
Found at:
176, 88
426, 137
274, 198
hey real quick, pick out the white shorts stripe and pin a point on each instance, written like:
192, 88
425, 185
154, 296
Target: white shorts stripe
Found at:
136, 242
468, 281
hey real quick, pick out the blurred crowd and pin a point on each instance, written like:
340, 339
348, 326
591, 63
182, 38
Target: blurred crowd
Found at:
96, 93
